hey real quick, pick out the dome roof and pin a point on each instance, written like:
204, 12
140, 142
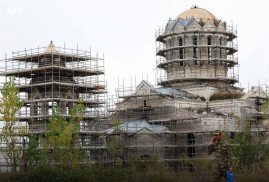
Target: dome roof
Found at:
198, 14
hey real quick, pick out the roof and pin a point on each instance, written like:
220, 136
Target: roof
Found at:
172, 23
172, 92
69, 55
28, 73
198, 14
167, 91
147, 83
138, 125
255, 92
51, 48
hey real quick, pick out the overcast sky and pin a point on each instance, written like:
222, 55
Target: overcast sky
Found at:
124, 30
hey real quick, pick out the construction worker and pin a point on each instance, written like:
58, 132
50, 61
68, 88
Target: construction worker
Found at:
223, 156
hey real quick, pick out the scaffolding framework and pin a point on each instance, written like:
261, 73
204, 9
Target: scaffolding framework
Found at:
49, 77
188, 130
53, 76
169, 123
190, 123
196, 54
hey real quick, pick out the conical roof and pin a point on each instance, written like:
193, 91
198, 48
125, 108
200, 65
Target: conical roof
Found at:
51, 48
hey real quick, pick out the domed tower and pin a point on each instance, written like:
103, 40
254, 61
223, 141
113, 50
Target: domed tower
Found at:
197, 50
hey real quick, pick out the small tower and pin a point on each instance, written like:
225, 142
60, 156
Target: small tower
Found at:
52, 76
196, 49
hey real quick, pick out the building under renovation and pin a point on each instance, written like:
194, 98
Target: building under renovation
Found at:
196, 72
197, 69
50, 77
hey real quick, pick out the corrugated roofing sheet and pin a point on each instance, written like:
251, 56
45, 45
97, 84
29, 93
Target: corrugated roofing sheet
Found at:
137, 125
172, 92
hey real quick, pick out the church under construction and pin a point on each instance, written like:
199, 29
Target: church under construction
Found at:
197, 67
196, 72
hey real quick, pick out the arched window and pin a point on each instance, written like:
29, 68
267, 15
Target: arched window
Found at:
220, 50
180, 42
209, 49
39, 111
209, 41
195, 49
181, 53
194, 40
191, 141
51, 106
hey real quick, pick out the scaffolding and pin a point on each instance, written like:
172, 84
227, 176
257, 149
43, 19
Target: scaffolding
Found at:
188, 122
196, 54
170, 123
49, 77
163, 121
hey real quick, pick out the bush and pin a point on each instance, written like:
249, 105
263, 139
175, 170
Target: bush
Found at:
142, 171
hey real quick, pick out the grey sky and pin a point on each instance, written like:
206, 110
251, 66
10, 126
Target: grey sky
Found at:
124, 31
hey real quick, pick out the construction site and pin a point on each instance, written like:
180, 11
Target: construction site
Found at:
196, 70
197, 67
50, 77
